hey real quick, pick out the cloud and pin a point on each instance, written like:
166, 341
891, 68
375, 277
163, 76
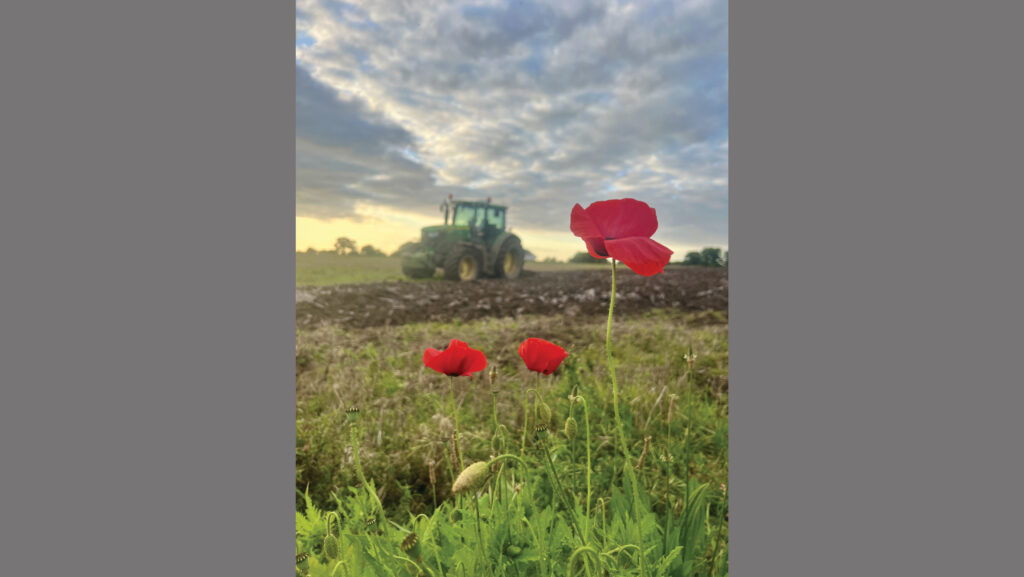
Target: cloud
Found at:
536, 104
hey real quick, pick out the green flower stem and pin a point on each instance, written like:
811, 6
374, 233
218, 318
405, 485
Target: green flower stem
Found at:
561, 492
586, 421
455, 415
611, 370
479, 534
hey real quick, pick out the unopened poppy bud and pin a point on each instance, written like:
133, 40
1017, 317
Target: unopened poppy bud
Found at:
352, 414
471, 478
513, 551
411, 545
571, 428
543, 411
331, 547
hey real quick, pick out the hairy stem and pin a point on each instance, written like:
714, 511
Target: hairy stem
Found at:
611, 369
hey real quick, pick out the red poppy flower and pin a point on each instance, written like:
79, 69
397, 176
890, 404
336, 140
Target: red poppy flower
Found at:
456, 360
621, 229
541, 356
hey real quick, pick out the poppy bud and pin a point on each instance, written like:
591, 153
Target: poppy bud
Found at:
331, 547
471, 478
571, 428
411, 545
543, 411
302, 560
513, 551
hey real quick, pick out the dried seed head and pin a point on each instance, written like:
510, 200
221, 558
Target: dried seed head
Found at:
331, 547
352, 414
571, 428
433, 473
411, 545
471, 478
492, 375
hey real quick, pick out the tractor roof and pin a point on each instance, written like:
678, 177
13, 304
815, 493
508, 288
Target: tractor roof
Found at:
477, 203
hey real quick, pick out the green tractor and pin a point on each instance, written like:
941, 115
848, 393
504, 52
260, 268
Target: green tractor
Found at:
474, 244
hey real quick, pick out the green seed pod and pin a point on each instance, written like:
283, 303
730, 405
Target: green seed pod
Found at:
331, 547
571, 428
513, 551
471, 478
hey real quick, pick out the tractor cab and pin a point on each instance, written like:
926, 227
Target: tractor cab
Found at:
483, 219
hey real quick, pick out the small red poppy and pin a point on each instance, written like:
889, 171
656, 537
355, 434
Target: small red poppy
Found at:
621, 229
541, 356
455, 360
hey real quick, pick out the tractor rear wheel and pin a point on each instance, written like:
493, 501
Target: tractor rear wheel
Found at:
509, 263
462, 264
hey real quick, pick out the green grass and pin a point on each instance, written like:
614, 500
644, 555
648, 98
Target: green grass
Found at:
533, 518
330, 269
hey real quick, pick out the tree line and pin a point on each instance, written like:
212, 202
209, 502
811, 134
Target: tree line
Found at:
346, 246
708, 256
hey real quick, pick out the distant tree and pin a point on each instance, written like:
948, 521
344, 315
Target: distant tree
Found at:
585, 257
712, 256
693, 259
725, 259
370, 250
550, 260
310, 250
344, 245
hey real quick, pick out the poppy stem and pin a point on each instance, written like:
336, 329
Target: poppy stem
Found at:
611, 369
455, 415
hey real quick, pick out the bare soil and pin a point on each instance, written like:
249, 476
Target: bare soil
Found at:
581, 293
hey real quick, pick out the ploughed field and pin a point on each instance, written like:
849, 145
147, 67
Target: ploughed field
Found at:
575, 293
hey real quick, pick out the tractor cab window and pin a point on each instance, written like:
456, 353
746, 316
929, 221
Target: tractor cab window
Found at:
496, 218
465, 216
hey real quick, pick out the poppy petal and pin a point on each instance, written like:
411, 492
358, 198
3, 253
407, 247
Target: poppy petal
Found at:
621, 218
582, 225
541, 356
596, 248
474, 361
643, 255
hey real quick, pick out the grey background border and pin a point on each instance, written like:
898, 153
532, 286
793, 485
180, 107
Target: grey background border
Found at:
147, 233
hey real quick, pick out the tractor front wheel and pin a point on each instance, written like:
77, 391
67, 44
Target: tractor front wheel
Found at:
509, 263
462, 264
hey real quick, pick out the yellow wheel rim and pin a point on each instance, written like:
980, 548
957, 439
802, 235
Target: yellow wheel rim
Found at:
467, 267
510, 263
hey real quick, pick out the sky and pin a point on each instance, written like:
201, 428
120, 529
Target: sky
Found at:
537, 105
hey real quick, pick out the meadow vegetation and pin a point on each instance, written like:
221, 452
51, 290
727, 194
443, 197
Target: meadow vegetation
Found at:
672, 415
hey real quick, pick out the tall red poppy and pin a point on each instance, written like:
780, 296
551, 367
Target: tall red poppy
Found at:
541, 356
455, 360
621, 229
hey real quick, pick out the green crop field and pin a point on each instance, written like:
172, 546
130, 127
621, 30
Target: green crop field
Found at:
329, 269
